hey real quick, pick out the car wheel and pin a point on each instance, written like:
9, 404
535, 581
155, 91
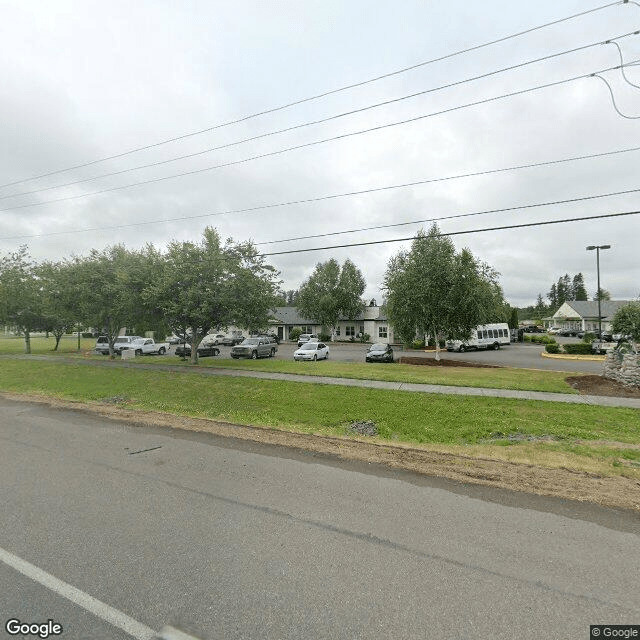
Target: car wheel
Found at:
496, 346
273, 353
462, 349
162, 351
234, 357
327, 356
315, 357
254, 355
138, 352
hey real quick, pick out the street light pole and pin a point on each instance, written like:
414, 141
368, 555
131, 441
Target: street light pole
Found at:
597, 248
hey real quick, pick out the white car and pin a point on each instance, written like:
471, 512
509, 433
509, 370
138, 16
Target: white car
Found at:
312, 351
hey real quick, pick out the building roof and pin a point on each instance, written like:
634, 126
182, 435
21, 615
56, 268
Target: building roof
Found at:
290, 315
589, 308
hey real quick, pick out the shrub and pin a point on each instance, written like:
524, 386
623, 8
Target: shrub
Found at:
417, 344
588, 337
324, 337
552, 348
365, 337
580, 348
294, 334
538, 338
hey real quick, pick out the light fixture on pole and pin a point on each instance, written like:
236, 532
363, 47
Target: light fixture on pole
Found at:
597, 248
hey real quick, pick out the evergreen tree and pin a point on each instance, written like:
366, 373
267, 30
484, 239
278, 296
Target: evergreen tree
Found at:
578, 288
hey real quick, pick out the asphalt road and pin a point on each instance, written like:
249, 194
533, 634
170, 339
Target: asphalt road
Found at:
526, 356
226, 539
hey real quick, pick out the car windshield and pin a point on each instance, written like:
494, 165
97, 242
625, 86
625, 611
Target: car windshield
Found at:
378, 347
123, 339
251, 341
309, 346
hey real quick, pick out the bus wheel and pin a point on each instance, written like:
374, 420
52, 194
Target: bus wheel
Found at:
462, 349
496, 346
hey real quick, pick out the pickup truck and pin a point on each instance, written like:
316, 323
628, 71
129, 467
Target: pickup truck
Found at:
143, 346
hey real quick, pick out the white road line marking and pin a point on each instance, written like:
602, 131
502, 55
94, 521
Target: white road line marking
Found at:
99, 609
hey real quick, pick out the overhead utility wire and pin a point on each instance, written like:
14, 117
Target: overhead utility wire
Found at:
457, 233
452, 217
310, 144
316, 96
624, 75
330, 196
322, 120
613, 100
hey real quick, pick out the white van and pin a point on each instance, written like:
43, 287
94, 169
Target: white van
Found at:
484, 336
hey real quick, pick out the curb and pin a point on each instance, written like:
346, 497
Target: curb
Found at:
559, 356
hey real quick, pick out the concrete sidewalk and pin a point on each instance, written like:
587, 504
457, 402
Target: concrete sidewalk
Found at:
605, 401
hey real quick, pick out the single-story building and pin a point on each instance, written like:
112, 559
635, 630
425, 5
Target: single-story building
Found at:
371, 320
582, 315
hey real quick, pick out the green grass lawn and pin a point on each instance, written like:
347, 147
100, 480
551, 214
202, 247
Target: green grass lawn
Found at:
499, 378
43, 346
400, 416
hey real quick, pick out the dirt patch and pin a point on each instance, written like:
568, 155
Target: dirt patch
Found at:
565, 483
432, 362
599, 386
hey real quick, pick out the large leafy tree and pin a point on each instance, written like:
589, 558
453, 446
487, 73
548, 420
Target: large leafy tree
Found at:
20, 294
433, 290
331, 293
200, 286
60, 297
627, 322
109, 285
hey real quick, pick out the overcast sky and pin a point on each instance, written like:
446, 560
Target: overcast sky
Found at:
82, 81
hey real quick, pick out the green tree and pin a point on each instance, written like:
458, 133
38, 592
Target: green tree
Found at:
110, 284
513, 319
332, 293
60, 297
602, 295
627, 322
540, 310
432, 290
209, 285
579, 291
20, 294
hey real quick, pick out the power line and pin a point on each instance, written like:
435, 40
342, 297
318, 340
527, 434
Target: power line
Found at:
330, 196
312, 143
613, 100
324, 120
458, 215
316, 96
456, 233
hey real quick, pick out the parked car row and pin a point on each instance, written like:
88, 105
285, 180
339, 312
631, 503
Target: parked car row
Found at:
264, 346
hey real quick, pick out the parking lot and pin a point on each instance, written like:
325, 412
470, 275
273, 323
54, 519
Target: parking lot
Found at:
519, 355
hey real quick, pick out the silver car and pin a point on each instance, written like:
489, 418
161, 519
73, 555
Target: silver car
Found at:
254, 348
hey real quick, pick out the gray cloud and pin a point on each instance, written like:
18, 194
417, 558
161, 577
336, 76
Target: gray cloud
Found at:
80, 83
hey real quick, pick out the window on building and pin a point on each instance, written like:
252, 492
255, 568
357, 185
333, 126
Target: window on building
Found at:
382, 332
337, 331
361, 328
350, 332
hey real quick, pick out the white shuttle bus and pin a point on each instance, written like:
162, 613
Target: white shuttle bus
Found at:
484, 336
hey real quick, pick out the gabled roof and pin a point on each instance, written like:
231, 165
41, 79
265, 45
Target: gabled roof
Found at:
589, 308
290, 315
